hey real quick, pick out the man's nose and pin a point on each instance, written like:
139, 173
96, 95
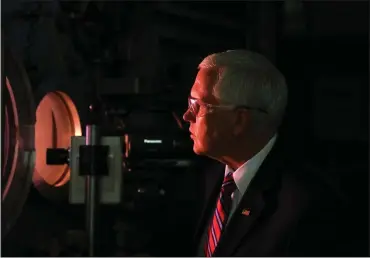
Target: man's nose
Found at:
188, 116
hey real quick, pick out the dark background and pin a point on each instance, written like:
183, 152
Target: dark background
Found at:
321, 48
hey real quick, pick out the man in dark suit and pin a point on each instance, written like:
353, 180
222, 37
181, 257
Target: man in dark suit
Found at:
265, 202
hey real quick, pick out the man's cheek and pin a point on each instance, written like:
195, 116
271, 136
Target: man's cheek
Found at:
202, 130
198, 126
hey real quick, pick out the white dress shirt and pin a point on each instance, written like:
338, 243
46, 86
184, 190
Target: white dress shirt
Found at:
244, 174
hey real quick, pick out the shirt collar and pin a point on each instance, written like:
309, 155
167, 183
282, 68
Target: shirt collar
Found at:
245, 173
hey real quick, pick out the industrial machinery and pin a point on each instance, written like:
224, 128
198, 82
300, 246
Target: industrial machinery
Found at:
44, 130
32, 121
18, 148
43, 147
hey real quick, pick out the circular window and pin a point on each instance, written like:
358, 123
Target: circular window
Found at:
57, 120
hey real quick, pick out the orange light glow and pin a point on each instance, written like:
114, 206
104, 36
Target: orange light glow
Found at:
13, 107
57, 120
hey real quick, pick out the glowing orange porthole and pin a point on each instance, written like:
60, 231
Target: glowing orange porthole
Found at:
57, 120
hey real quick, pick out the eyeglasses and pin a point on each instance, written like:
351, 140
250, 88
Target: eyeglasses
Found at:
194, 106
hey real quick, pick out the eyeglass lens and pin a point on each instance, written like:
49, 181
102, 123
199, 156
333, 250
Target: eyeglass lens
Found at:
193, 106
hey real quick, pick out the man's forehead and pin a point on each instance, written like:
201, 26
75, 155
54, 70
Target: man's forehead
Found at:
203, 85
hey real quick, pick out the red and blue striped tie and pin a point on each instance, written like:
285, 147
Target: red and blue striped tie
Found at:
221, 214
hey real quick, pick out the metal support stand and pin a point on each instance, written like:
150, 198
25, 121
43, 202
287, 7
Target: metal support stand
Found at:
92, 158
92, 194
94, 165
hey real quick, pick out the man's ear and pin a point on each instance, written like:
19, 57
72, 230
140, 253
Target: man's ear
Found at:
242, 121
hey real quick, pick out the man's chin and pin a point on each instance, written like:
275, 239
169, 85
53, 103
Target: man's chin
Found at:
203, 152
199, 151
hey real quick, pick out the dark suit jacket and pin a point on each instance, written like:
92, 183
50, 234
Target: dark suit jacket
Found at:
293, 211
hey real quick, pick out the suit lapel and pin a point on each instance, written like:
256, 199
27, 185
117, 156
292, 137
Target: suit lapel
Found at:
213, 180
256, 202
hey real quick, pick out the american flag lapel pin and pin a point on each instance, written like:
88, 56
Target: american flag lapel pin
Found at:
246, 212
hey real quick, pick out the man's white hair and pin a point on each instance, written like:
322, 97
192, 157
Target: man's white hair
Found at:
249, 79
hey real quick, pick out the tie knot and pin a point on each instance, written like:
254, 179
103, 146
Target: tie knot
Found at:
228, 185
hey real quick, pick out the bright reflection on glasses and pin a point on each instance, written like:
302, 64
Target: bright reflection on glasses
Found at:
194, 106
